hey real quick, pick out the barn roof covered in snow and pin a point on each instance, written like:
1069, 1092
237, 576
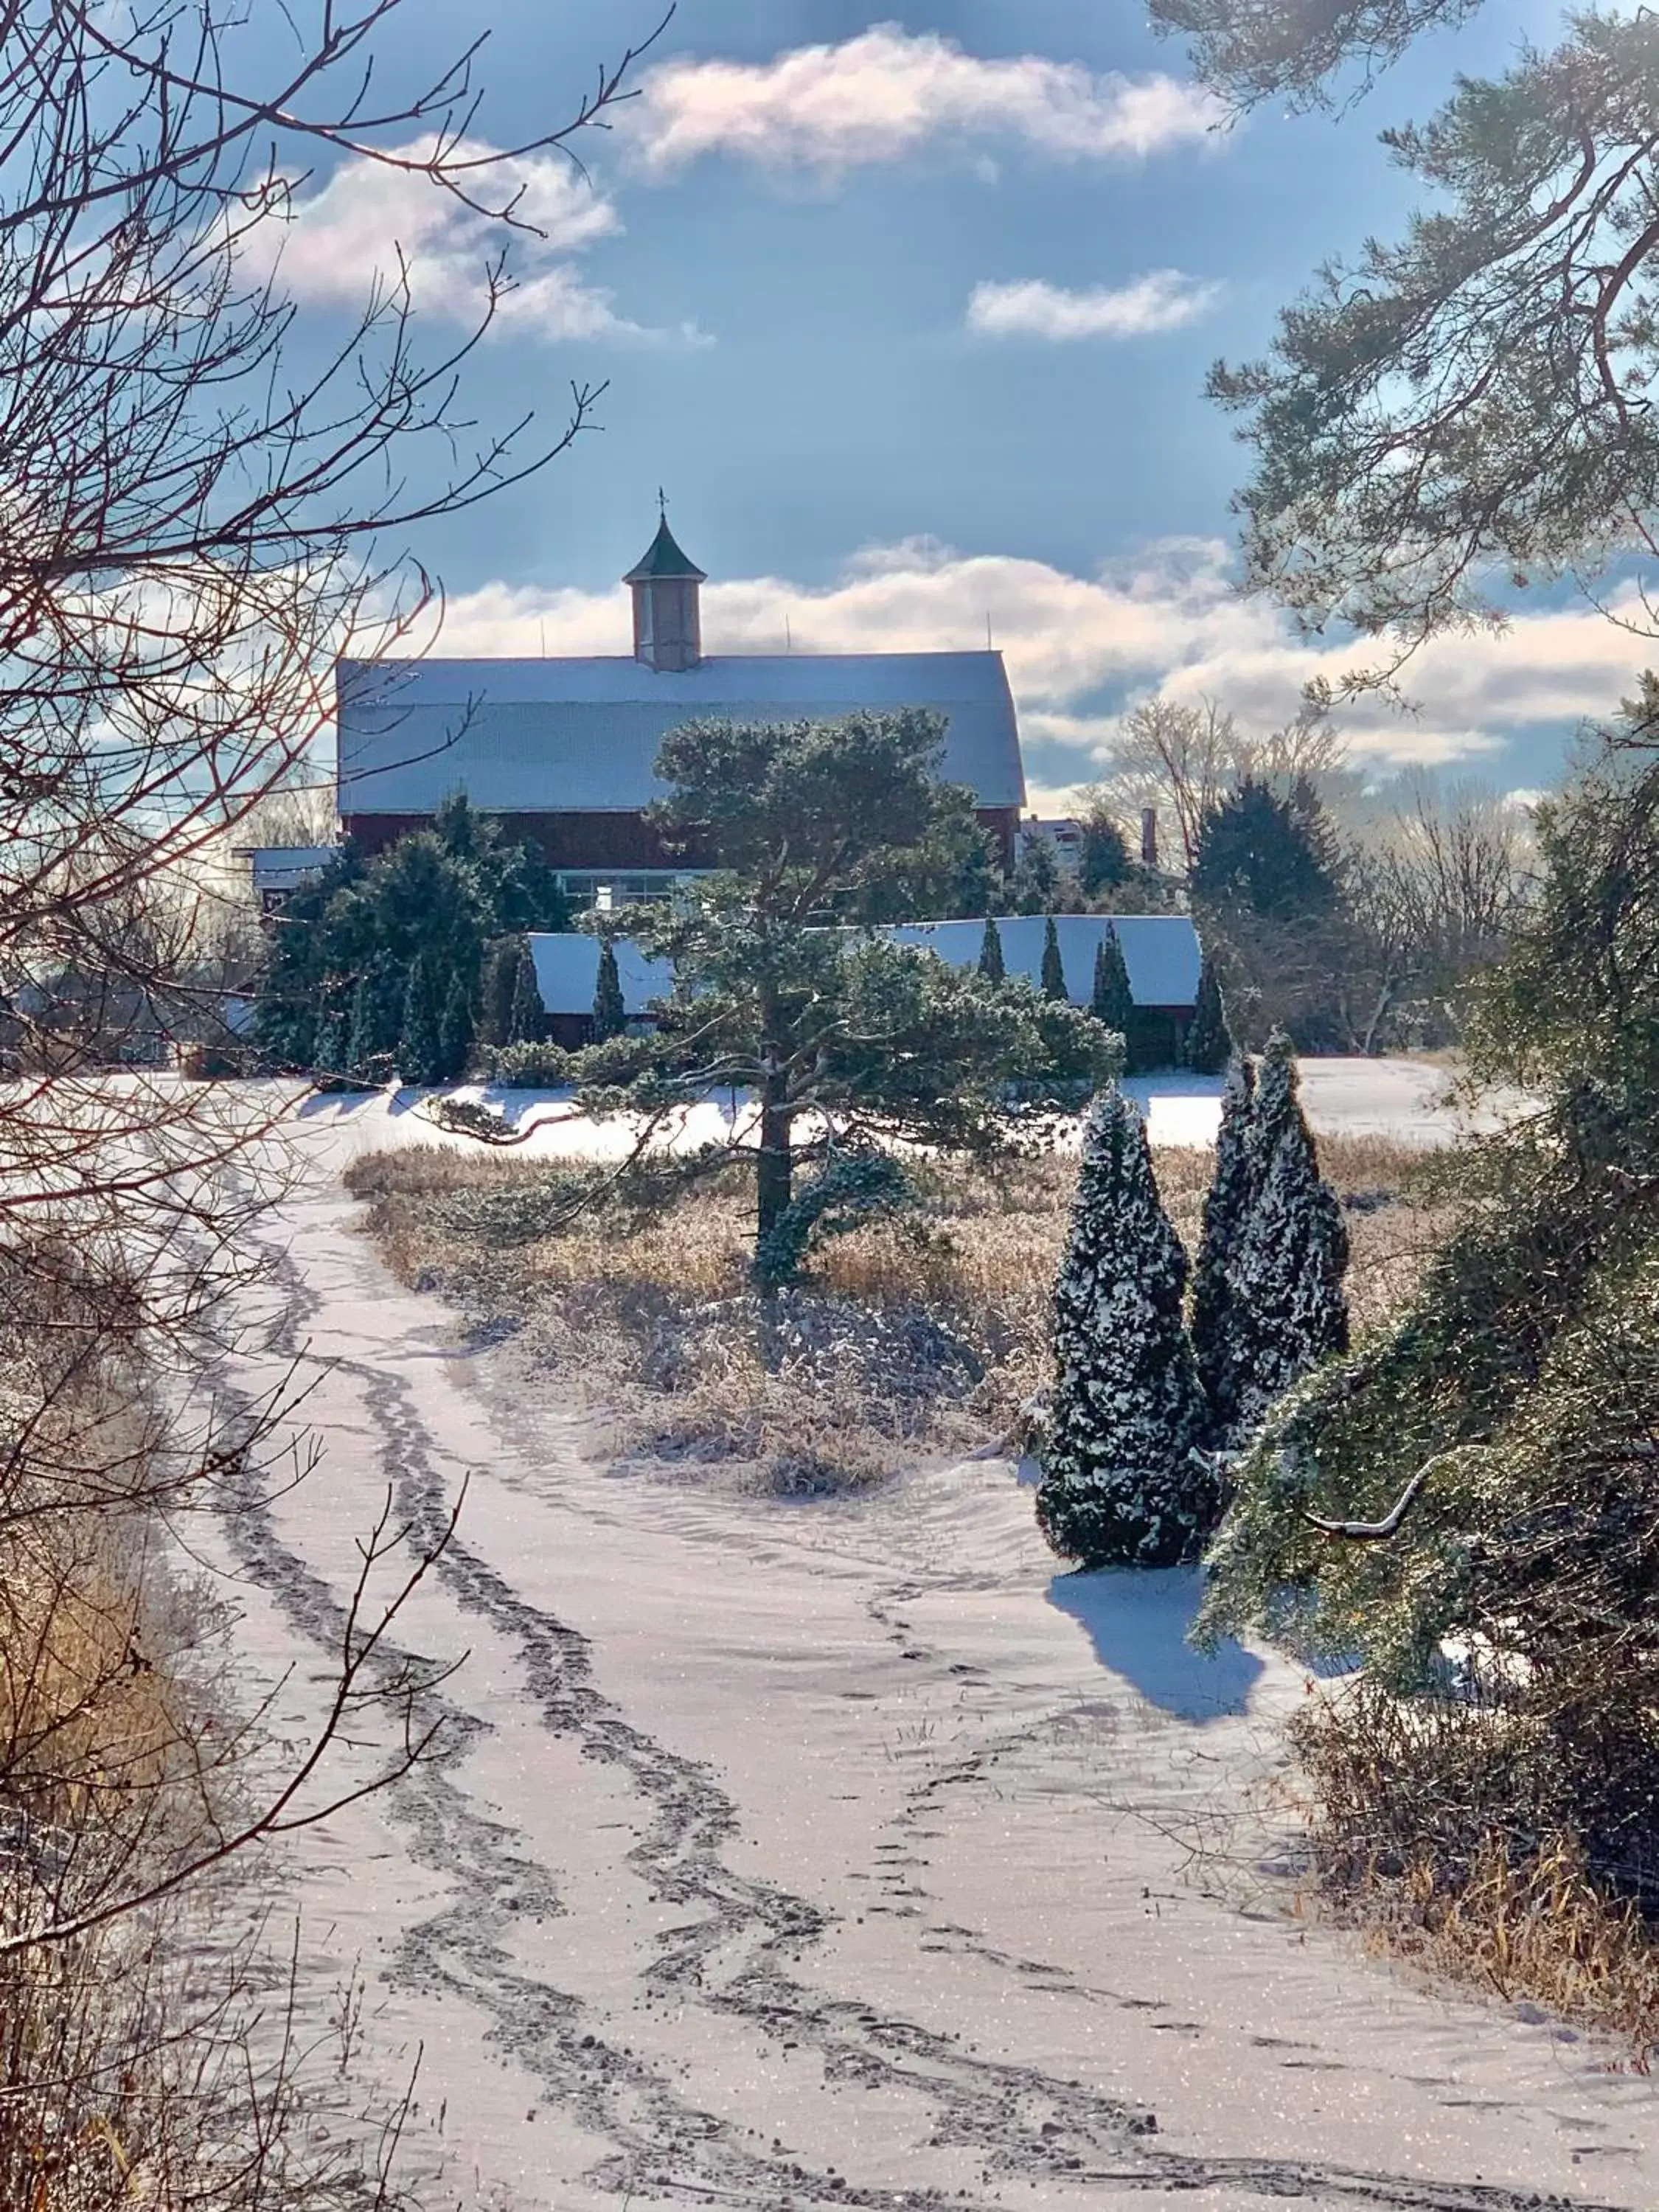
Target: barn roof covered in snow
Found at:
559, 736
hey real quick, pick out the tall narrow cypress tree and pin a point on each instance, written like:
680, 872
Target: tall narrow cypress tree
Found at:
455, 1033
1053, 970
1287, 1278
376, 1018
610, 1016
499, 974
991, 966
1218, 1343
1111, 1000
418, 1051
1209, 1041
330, 1041
527, 1022
1125, 1481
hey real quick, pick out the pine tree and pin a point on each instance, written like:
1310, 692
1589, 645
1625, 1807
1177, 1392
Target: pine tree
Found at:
1053, 970
1217, 1345
1111, 1000
527, 1016
418, 1051
991, 966
1125, 1482
455, 1033
1287, 1274
1209, 1044
610, 1016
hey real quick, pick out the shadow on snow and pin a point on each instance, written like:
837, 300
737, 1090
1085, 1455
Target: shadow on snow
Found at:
1139, 1619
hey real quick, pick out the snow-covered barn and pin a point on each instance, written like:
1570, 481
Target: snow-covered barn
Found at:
562, 749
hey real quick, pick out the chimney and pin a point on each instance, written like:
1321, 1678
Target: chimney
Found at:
1149, 836
667, 611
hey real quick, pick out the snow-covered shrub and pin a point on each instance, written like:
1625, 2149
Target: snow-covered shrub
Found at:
1125, 1481
1219, 1344
1286, 1277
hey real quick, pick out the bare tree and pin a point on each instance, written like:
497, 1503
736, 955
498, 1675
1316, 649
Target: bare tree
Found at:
1180, 759
1435, 892
200, 516
1183, 760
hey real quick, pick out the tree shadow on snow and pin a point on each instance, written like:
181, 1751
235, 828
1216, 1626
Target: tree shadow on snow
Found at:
1139, 1619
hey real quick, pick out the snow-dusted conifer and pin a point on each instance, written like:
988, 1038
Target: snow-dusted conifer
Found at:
1124, 1480
1287, 1275
610, 1017
1209, 1041
1111, 1000
991, 964
1219, 1325
1053, 970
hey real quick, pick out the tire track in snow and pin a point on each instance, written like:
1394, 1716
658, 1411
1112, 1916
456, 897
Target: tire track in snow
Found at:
734, 1958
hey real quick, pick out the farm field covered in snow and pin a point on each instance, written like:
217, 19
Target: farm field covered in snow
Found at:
1399, 1098
838, 1852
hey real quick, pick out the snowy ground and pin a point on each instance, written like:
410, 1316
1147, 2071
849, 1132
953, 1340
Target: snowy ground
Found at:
834, 1854
1403, 1098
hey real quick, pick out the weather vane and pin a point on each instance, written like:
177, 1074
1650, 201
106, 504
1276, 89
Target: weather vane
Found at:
662, 503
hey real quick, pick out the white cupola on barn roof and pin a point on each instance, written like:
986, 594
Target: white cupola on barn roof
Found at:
667, 613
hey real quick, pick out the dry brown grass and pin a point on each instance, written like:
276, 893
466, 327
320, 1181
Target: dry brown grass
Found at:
1424, 1841
1540, 1928
654, 1312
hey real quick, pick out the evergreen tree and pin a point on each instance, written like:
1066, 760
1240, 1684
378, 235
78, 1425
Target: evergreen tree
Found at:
1268, 855
1053, 970
1292, 1256
499, 974
1104, 859
830, 1030
329, 1052
1217, 1324
991, 963
1209, 1041
455, 1033
419, 1052
1035, 884
376, 1017
1111, 1000
527, 1021
610, 1016
1125, 1481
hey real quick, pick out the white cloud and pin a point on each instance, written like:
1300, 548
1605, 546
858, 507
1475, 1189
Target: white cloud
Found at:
882, 95
1165, 624
330, 246
1163, 300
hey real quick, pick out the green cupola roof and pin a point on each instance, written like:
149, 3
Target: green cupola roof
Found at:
664, 561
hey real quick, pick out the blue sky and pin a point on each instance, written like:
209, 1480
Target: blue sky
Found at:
910, 310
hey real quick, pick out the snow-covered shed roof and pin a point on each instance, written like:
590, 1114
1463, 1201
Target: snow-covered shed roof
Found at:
284, 867
1160, 951
581, 735
568, 972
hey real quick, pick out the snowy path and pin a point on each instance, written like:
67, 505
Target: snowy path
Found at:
835, 1854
